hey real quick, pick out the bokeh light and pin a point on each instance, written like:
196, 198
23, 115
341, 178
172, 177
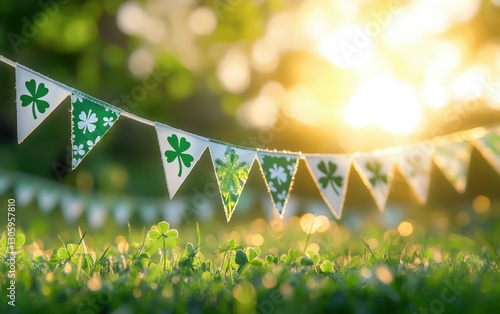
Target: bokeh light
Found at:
405, 228
387, 103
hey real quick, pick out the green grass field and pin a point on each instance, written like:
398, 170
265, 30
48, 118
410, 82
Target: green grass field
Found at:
259, 267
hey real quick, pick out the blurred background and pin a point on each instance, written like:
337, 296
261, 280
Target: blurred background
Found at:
312, 76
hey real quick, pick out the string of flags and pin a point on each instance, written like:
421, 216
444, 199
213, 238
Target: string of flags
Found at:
37, 96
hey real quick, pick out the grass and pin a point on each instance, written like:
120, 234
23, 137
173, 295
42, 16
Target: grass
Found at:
290, 270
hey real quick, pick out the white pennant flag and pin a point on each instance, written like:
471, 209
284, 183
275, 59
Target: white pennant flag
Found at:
415, 164
453, 159
122, 212
180, 151
231, 166
36, 97
331, 174
96, 214
376, 172
279, 171
489, 147
47, 198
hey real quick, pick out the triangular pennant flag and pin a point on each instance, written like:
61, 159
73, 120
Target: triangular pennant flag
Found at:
231, 166
415, 164
489, 147
148, 212
72, 206
331, 174
48, 196
279, 171
91, 119
96, 214
453, 159
180, 151
122, 212
36, 97
376, 172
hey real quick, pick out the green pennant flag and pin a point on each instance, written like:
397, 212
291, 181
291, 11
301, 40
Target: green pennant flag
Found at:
279, 171
231, 166
91, 119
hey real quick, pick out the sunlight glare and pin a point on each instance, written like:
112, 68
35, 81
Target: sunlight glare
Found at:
348, 46
385, 102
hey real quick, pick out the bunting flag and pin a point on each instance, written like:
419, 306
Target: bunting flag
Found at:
376, 172
91, 119
96, 214
279, 171
231, 166
122, 212
37, 96
180, 151
453, 159
489, 147
331, 174
47, 198
415, 164
72, 206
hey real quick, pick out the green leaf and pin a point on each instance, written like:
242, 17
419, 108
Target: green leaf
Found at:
241, 258
172, 234
20, 240
190, 248
256, 262
326, 266
306, 261
163, 227
253, 252
154, 234
62, 253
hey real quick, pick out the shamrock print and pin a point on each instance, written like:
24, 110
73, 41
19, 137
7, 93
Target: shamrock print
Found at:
375, 167
87, 121
232, 174
36, 92
330, 178
90, 122
179, 148
78, 150
278, 172
108, 121
91, 144
76, 98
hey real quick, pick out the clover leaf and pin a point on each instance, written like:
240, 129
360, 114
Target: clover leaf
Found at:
330, 178
179, 147
34, 97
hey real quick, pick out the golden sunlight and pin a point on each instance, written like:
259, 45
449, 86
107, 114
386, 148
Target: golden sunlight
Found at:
385, 102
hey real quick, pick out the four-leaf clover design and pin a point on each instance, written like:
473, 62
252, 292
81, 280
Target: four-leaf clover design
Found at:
231, 174
278, 172
34, 98
179, 147
87, 121
330, 178
375, 167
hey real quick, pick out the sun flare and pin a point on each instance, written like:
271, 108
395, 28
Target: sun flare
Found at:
385, 102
